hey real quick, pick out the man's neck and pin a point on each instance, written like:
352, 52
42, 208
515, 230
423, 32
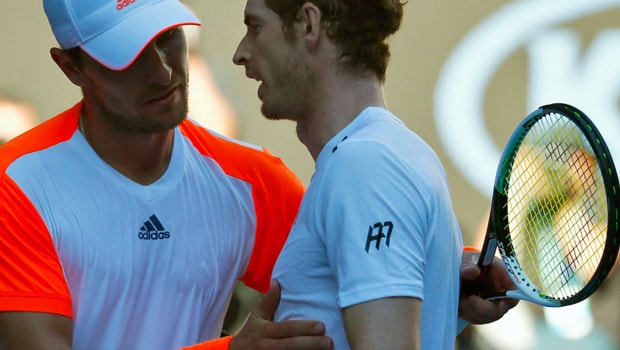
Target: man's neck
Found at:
337, 105
143, 158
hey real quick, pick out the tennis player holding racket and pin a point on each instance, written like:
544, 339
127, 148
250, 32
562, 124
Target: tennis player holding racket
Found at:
38, 309
376, 248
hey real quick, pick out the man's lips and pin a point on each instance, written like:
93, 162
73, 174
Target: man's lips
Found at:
164, 97
251, 75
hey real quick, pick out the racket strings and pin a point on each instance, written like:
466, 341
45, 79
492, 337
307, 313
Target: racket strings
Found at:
556, 211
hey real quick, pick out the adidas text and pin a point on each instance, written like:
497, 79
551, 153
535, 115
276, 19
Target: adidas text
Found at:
154, 235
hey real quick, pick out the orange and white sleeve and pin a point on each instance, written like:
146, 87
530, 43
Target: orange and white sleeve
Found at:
32, 278
277, 202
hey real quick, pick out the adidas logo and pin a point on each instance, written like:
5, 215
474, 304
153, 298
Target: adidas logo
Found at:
153, 230
121, 4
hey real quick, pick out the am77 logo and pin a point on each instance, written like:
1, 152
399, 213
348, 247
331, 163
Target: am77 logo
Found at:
377, 232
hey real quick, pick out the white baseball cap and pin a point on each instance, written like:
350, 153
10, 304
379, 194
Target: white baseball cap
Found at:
114, 32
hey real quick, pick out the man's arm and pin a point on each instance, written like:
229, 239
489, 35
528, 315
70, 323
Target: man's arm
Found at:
34, 331
260, 332
388, 323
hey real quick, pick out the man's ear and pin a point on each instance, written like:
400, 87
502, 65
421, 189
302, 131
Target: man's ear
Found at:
68, 66
310, 20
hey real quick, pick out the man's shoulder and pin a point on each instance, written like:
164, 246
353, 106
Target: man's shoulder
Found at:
238, 158
47, 134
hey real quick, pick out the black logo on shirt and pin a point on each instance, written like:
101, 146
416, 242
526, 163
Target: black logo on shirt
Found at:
153, 230
377, 232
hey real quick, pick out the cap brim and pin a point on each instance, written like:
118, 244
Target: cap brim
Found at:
118, 47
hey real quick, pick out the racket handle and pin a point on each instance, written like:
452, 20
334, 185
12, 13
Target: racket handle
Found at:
487, 255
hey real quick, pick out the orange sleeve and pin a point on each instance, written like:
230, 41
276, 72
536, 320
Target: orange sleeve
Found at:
31, 277
277, 202
215, 344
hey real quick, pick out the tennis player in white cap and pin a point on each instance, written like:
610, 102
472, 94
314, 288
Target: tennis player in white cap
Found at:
123, 223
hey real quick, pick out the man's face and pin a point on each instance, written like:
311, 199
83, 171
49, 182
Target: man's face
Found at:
150, 96
276, 61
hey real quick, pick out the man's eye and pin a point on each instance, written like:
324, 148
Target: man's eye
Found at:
170, 33
254, 28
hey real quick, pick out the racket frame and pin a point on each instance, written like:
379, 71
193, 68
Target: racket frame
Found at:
498, 238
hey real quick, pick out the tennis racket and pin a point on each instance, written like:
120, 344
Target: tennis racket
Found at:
554, 210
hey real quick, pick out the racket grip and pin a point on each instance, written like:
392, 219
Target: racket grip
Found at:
487, 254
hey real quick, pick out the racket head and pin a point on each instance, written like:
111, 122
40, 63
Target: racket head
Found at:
555, 207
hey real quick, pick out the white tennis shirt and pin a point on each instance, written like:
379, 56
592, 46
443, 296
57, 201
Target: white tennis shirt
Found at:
138, 267
375, 222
